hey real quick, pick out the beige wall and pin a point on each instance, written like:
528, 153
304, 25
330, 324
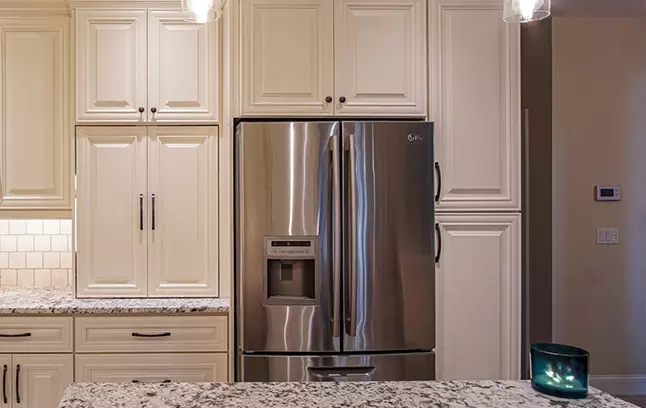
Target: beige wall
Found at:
599, 137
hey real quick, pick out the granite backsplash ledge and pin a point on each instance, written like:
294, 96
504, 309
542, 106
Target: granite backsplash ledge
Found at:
61, 301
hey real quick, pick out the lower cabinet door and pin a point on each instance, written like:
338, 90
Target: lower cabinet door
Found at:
40, 379
115, 368
6, 371
478, 281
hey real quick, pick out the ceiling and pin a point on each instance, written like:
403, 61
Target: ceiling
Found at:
600, 8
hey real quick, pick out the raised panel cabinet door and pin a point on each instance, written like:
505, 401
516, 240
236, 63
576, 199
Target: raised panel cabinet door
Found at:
111, 65
287, 63
380, 57
35, 145
183, 216
475, 71
478, 280
40, 379
6, 373
111, 212
182, 68
115, 368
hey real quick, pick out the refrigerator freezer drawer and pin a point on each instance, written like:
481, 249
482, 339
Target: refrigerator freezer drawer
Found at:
381, 367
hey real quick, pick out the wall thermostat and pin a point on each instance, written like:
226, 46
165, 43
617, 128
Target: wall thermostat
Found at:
608, 192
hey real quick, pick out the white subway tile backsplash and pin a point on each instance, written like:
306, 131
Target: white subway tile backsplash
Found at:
25, 277
8, 277
36, 253
17, 227
59, 277
17, 260
59, 243
8, 243
35, 227
51, 260
43, 277
42, 243
51, 227
34, 260
25, 243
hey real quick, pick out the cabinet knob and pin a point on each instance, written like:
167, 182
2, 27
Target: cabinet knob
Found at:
153, 110
141, 109
342, 99
328, 99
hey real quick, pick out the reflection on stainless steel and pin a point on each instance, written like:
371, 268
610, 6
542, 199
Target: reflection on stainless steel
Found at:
335, 251
383, 367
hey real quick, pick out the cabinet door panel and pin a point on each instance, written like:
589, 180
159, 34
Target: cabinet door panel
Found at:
182, 75
380, 57
287, 57
111, 211
151, 368
34, 153
6, 370
478, 298
476, 105
42, 378
111, 65
183, 243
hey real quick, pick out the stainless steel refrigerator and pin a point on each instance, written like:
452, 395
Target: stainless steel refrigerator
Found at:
334, 256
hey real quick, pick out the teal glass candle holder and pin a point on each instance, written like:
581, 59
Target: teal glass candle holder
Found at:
559, 370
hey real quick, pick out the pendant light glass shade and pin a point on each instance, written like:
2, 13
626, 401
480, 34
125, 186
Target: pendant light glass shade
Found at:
202, 11
523, 11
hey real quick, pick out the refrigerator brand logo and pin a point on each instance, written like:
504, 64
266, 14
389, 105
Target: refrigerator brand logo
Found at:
415, 138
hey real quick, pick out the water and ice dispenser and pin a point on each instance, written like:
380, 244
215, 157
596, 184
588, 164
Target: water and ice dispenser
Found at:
291, 270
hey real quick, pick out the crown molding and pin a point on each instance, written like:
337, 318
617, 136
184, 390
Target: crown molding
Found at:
33, 8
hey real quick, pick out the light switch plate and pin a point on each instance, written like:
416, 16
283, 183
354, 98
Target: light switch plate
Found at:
607, 236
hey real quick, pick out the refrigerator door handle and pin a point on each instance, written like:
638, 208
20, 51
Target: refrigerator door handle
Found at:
341, 372
336, 249
352, 169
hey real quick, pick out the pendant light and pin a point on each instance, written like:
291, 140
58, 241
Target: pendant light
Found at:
202, 11
524, 11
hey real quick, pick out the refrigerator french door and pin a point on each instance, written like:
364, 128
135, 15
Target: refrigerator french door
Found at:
335, 251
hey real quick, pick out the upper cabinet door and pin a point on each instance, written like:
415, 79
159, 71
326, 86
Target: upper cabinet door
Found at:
476, 105
182, 68
183, 216
111, 65
380, 57
287, 57
478, 297
41, 379
111, 211
35, 142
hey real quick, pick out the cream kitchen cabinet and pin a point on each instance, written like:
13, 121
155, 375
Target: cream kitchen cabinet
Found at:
478, 311
475, 104
35, 380
147, 66
147, 211
35, 170
324, 57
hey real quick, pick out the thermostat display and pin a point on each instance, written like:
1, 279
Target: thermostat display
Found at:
608, 192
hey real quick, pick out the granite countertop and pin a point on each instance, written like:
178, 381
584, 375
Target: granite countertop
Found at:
451, 394
61, 301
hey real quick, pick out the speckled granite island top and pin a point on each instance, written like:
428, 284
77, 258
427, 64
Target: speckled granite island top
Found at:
452, 394
61, 301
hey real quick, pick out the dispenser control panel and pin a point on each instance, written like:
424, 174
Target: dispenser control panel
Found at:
281, 248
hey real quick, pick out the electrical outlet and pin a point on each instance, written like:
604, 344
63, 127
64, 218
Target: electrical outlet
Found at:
607, 236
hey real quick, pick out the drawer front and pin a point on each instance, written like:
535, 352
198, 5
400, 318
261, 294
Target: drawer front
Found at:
35, 334
114, 368
151, 334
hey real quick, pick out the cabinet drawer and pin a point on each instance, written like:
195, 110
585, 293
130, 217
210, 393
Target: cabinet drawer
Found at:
115, 368
151, 334
35, 334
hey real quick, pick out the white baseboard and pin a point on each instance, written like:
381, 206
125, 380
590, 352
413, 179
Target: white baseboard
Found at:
623, 385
